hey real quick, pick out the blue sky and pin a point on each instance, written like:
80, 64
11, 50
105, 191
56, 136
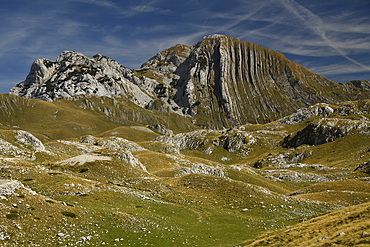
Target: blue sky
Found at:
330, 37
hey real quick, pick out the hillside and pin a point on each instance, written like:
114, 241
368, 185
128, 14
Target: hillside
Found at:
75, 172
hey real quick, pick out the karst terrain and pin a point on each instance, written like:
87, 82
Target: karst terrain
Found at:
222, 143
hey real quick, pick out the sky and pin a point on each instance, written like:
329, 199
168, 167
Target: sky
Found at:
331, 37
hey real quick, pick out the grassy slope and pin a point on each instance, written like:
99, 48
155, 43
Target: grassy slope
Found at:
82, 116
343, 227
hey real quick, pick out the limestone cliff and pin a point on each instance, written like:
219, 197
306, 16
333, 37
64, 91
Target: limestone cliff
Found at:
224, 81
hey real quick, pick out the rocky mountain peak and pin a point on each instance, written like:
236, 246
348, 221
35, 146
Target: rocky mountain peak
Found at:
216, 36
76, 74
169, 59
72, 57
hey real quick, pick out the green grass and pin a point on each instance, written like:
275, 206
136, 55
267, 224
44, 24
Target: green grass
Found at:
68, 118
108, 200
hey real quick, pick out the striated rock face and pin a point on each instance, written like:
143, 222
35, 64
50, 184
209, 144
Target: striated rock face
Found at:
224, 82
219, 81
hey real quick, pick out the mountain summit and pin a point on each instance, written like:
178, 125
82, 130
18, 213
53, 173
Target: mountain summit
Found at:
219, 81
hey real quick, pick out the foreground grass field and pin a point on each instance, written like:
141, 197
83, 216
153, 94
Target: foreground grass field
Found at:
82, 173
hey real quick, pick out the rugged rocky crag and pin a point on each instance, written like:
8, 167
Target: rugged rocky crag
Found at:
75, 74
219, 81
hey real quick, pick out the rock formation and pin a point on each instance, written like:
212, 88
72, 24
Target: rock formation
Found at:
326, 130
75, 74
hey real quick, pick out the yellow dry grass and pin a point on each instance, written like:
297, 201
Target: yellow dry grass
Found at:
346, 227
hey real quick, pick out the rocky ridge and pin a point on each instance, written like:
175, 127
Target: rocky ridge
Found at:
75, 74
219, 81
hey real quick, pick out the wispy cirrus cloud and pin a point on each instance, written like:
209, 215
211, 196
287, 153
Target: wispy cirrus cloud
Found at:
101, 3
145, 8
315, 23
129, 10
328, 37
337, 69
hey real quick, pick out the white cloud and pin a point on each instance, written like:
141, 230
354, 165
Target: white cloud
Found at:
101, 3
149, 9
338, 69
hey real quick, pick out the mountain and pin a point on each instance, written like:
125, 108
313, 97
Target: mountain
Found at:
219, 82
117, 157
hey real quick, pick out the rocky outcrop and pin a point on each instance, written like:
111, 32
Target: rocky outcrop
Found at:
201, 169
326, 130
21, 144
28, 139
205, 140
361, 107
294, 177
112, 143
160, 129
219, 81
191, 140
317, 110
10, 187
122, 148
365, 167
360, 84
127, 157
283, 160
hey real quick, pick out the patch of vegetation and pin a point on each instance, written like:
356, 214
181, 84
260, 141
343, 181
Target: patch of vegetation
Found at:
69, 214
197, 103
203, 62
12, 215
161, 90
84, 170
28, 179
